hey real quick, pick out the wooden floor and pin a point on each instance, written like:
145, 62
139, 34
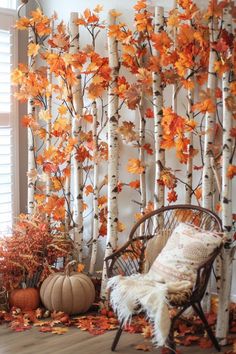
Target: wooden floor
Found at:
74, 341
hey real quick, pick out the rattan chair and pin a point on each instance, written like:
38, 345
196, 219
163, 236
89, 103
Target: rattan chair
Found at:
130, 258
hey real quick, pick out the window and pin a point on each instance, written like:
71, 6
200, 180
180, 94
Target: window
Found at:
8, 122
10, 4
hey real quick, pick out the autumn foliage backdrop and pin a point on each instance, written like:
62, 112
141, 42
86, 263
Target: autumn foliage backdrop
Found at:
78, 117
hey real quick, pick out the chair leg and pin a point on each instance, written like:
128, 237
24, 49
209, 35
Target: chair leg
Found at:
170, 343
117, 337
198, 309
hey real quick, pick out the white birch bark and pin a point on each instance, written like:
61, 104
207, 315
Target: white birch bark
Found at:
113, 153
67, 190
216, 174
226, 202
159, 190
142, 178
49, 123
30, 136
174, 86
77, 176
95, 192
207, 175
189, 166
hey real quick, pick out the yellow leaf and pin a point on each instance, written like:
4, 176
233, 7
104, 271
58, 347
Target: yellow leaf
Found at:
120, 227
59, 330
62, 110
16, 76
135, 166
115, 13
45, 115
33, 49
98, 8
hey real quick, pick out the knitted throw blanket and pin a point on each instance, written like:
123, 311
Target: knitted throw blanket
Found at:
149, 291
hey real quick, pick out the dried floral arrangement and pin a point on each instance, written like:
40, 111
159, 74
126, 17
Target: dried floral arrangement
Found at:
30, 254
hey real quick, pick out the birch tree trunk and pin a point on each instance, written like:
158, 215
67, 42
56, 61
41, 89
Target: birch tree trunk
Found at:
226, 201
189, 167
49, 122
207, 175
30, 136
159, 190
113, 152
174, 86
77, 177
95, 191
142, 178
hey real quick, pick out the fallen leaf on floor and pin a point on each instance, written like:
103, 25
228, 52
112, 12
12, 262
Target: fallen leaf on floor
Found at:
205, 343
144, 347
59, 330
45, 329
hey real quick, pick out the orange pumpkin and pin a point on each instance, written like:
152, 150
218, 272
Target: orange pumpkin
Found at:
70, 292
26, 299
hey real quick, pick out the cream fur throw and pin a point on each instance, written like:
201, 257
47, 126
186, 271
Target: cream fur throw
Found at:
149, 292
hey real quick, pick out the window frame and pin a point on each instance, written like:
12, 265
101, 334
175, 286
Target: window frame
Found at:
14, 112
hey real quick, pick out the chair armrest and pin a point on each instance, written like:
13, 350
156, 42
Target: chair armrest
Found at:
127, 260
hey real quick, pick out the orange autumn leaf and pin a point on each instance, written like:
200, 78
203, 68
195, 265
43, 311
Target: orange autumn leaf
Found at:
84, 206
88, 189
26, 120
140, 5
132, 96
59, 330
204, 106
218, 207
98, 8
198, 193
148, 149
167, 179
144, 347
95, 91
149, 113
115, 13
80, 267
135, 184
22, 23
172, 196
231, 172
88, 118
120, 226
33, 49
149, 207
101, 201
135, 166
127, 131
137, 216
103, 230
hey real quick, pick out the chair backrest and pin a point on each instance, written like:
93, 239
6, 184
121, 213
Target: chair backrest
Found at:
167, 218
131, 257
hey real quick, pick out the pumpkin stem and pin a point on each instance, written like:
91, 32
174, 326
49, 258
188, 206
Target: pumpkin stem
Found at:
69, 266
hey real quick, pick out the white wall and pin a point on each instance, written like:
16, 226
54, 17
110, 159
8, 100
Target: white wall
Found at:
63, 9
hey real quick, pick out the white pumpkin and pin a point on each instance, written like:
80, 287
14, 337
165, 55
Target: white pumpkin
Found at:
70, 292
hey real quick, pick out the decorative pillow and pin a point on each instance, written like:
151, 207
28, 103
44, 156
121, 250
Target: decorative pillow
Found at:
154, 247
186, 250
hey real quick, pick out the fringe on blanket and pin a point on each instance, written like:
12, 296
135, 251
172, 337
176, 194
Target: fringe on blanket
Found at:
128, 293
